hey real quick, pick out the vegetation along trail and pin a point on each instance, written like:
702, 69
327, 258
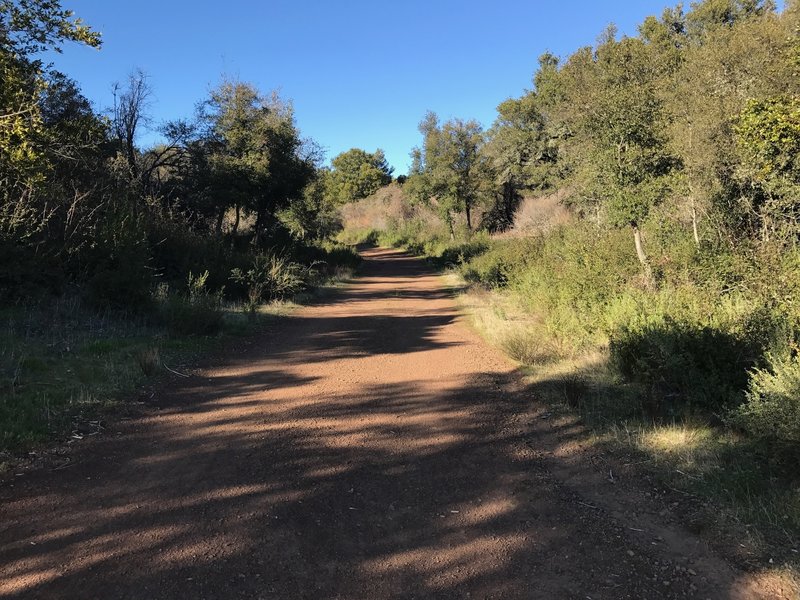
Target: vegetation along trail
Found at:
371, 446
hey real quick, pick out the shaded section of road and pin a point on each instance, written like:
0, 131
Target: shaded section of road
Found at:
369, 447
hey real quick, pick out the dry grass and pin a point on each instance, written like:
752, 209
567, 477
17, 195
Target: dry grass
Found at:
538, 214
379, 209
149, 360
518, 334
387, 207
687, 449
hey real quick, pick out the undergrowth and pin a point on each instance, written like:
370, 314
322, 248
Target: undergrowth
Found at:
64, 360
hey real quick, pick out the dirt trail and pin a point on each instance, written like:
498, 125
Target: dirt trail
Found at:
371, 446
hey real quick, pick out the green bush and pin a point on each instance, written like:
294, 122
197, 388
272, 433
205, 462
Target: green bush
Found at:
772, 409
458, 253
501, 260
357, 237
683, 367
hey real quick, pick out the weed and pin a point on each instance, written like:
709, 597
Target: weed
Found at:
149, 360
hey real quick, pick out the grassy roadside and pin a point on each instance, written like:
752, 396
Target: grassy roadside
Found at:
65, 367
726, 473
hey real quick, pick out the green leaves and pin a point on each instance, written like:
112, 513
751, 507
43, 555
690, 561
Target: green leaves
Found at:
768, 135
768, 140
618, 124
30, 26
357, 174
251, 153
450, 167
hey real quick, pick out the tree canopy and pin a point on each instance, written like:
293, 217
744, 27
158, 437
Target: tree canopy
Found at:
356, 174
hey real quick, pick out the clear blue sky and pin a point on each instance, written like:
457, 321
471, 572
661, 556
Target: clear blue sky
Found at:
360, 74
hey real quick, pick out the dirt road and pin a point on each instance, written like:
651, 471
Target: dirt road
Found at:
371, 446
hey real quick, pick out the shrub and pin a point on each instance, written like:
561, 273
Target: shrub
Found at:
121, 273
357, 237
272, 277
772, 409
452, 254
502, 259
198, 312
327, 256
527, 347
177, 249
149, 360
683, 367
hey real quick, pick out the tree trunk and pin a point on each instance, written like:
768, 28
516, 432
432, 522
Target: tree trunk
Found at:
510, 194
220, 218
468, 210
130, 154
450, 225
694, 222
640, 253
235, 229
258, 227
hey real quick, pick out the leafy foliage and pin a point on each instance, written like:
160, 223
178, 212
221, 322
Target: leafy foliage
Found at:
772, 410
356, 174
450, 167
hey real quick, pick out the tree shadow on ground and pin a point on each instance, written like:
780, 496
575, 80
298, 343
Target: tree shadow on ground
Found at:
257, 481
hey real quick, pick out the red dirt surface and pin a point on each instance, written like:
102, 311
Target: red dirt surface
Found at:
370, 446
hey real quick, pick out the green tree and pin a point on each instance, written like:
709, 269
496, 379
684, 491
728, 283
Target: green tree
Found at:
732, 62
255, 155
769, 141
707, 16
450, 167
521, 154
315, 215
26, 28
356, 174
619, 126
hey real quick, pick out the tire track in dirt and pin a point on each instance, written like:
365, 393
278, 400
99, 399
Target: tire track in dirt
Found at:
370, 446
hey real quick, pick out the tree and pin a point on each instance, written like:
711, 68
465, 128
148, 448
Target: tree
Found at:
31, 26
26, 28
128, 114
450, 167
521, 152
47, 136
315, 215
619, 127
707, 16
717, 73
356, 174
254, 151
768, 134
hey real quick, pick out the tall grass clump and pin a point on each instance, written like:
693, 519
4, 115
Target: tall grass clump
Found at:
195, 311
272, 277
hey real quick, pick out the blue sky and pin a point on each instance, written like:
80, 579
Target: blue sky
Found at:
360, 74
